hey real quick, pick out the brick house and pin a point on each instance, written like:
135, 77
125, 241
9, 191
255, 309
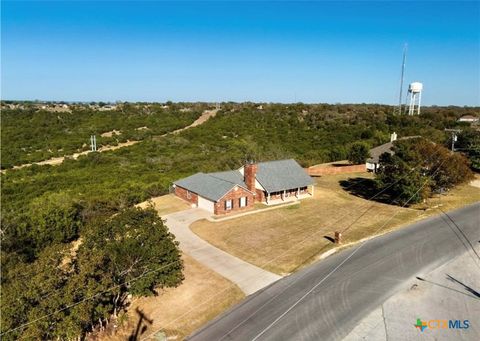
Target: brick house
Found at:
238, 190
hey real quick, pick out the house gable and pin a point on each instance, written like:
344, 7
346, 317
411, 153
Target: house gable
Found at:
234, 196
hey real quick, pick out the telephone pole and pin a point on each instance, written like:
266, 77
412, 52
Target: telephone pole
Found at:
454, 133
93, 143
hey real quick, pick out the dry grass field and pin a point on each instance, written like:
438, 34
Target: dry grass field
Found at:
285, 239
177, 312
166, 204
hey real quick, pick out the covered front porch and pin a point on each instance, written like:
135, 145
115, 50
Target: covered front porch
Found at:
288, 195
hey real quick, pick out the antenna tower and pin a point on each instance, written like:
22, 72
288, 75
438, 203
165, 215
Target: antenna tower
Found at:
402, 79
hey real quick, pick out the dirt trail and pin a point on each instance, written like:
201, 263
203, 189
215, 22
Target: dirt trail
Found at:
202, 119
58, 160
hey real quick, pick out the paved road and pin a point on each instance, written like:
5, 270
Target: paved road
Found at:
450, 292
248, 277
299, 308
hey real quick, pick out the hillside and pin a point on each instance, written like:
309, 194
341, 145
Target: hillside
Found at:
32, 133
311, 134
80, 195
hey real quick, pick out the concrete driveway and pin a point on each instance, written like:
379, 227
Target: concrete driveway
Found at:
248, 277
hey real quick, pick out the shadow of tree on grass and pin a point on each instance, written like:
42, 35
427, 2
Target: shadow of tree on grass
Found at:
366, 189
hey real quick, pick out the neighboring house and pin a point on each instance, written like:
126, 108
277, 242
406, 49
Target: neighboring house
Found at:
373, 162
238, 190
107, 108
468, 119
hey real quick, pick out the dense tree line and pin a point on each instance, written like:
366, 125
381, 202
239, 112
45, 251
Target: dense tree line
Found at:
64, 289
468, 143
47, 210
417, 168
31, 134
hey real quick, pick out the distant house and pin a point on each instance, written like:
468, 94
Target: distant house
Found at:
468, 119
238, 190
373, 162
107, 107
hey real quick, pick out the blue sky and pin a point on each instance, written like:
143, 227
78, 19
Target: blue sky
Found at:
334, 52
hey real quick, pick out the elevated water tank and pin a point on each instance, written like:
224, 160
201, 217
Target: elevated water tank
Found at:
415, 87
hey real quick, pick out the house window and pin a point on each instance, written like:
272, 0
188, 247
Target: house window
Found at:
242, 201
189, 195
228, 205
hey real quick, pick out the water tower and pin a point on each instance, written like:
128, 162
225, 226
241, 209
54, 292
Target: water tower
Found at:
415, 90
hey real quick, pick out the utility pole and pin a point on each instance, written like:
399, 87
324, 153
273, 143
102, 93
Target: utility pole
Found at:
454, 133
93, 143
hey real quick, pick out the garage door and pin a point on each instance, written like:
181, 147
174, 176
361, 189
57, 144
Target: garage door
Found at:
205, 204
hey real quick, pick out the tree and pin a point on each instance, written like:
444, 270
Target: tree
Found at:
469, 144
135, 250
55, 218
358, 153
73, 289
419, 167
33, 290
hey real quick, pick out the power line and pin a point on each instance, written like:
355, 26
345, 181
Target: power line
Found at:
459, 238
250, 278
158, 269
211, 298
347, 214
339, 265
89, 298
270, 261
93, 296
402, 178
274, 297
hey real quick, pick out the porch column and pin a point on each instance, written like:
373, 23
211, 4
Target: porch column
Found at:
298, 192
284, 195
313, 189
268, 197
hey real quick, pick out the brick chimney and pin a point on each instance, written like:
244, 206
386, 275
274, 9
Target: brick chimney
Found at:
249, 173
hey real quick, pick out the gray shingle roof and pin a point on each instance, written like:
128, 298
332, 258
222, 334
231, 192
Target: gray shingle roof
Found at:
206, 185
232, 176
280, 175
384, 148
379, 150
274, 176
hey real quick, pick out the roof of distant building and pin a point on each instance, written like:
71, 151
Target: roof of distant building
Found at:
384, 148
468, 118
